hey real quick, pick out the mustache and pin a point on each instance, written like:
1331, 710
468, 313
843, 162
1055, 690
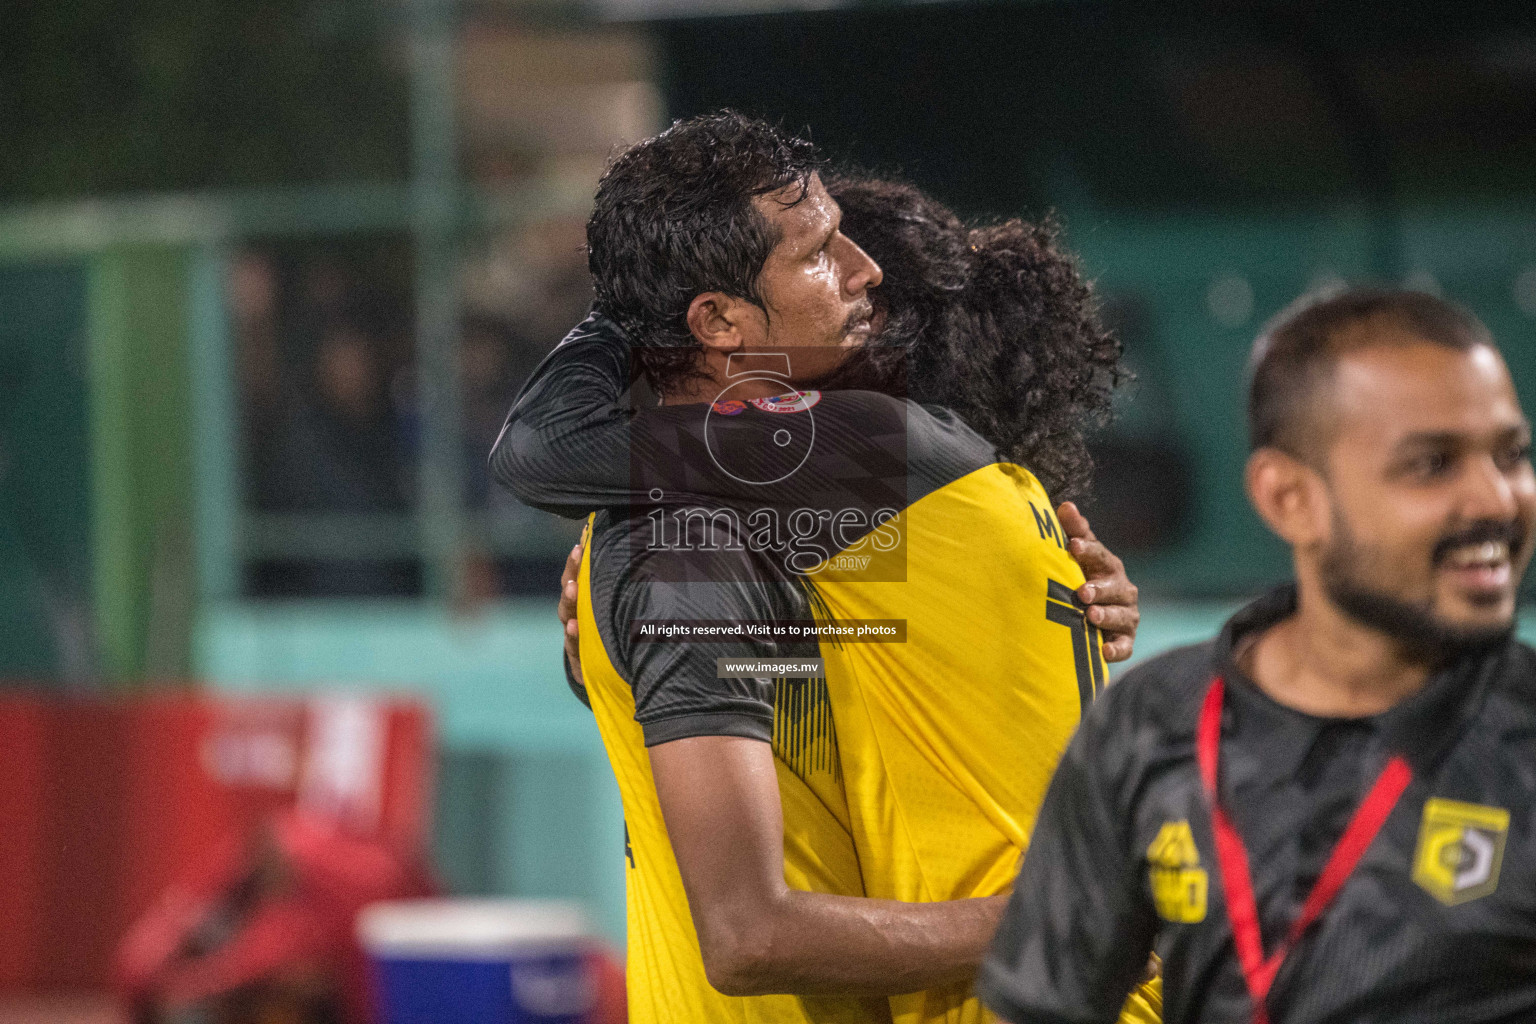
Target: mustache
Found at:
864, 311
1482, 532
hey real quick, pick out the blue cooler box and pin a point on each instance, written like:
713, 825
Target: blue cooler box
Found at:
479, 961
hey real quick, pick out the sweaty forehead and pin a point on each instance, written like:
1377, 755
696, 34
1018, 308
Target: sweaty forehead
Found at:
806, 220
1402, 386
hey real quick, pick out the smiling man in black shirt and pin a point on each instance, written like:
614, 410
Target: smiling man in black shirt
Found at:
1326, 815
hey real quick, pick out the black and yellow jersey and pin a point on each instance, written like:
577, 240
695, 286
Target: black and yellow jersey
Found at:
958, 662
644, 691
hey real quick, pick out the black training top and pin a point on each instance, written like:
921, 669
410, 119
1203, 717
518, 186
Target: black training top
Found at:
703, 581
718, 511
572, 444
1437, 922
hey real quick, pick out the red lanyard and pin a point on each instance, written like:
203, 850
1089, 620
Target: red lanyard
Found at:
1237, 879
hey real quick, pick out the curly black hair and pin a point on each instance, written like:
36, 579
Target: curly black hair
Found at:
674, 217
993, 321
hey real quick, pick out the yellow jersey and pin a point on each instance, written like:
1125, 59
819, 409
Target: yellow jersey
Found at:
949, 740
665, 970
885, 511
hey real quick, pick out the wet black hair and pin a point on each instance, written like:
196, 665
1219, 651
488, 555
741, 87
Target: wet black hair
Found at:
674, 217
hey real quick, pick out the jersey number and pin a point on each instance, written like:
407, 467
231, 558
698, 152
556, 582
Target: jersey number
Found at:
1063, 608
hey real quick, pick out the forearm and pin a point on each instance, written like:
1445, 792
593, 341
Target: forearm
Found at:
565, 446
807, 943
570, 445
720, 798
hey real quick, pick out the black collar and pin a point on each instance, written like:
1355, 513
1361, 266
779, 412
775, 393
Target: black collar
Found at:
1421, 728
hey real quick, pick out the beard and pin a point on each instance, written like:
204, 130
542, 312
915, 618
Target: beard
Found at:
880, 364
1422, 635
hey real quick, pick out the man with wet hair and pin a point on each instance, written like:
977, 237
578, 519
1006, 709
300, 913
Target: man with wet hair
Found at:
908, 772
1326, 813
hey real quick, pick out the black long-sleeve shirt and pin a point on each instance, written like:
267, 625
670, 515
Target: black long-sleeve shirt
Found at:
571, 445
714, 510
1437, 922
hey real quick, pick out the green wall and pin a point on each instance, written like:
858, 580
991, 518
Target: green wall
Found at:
1192, 362
96, 484
45, 525
141, 429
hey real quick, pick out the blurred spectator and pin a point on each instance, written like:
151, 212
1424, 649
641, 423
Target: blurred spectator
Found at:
531, 285
329, 400
493, 362
252, 293
336, 450
259, 929
525, 288
266, 933
534, 276
322, 338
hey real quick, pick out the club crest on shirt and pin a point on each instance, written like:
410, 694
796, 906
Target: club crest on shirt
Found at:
730, 407
1460, 851
791, 401
1179, 884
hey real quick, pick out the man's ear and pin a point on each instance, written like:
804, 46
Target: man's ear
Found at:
716, 320
1289, 495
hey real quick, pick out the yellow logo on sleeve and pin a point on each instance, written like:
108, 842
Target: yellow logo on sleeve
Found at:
1460, 851
1179, 883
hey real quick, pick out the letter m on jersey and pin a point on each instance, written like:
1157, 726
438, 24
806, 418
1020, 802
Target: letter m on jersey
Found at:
1045, 522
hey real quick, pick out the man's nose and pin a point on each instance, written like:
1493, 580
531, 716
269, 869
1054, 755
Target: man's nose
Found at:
1490, 493
864, 272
